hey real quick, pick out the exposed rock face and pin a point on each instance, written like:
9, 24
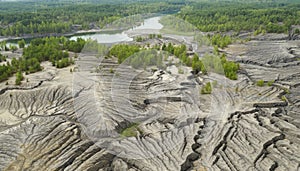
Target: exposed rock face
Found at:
51, 124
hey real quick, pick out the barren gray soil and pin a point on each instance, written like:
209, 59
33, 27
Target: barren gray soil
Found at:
61, 120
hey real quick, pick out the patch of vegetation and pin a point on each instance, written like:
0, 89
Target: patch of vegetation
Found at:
64, 62
270, 83
53, 49
213, 63
152, 36
287, 91
2, 58
111, 70
19, 78
146, 58
283, 98
230, 68
131, 131
180, 71
5, 72
207, 89
3, 46
139, 39
209, 63
261, 30
260, 83
221, 41
21, 43
237, 89
123, 51
13, 48
197, 65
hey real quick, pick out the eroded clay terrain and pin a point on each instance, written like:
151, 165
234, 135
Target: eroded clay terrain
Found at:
62, 120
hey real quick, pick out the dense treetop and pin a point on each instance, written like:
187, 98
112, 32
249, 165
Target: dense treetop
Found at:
19, 18
64, 16
273, 17
53, 49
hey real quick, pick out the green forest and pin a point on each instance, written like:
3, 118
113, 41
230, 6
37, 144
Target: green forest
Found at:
53, 49
223, 16
20, 18
58, 17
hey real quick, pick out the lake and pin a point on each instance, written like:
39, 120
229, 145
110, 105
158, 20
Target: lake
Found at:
110, 38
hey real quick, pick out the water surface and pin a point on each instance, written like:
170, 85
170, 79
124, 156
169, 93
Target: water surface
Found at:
151, 23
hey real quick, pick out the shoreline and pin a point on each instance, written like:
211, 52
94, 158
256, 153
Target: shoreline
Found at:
80, 32
69, 34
